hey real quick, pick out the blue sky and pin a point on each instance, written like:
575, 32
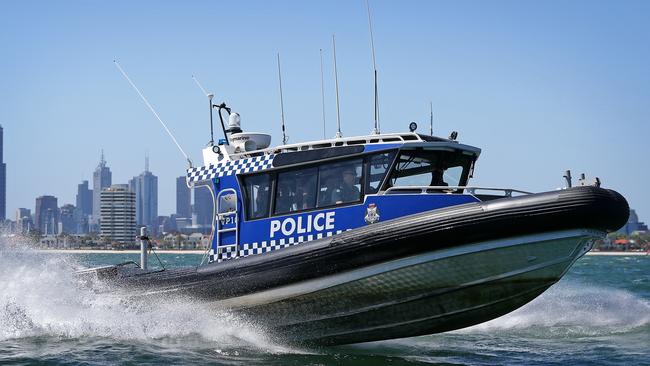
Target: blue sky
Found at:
540, 86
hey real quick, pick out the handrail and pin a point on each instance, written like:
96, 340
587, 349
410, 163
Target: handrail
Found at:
333, 142
450, 189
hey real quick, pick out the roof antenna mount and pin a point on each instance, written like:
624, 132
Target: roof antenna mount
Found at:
285, 138
212, 106
210, 96
377, 129
336, 79
431, 118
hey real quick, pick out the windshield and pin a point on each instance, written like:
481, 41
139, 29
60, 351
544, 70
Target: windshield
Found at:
430, 168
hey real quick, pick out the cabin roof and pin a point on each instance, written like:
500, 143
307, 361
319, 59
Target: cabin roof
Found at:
250, 161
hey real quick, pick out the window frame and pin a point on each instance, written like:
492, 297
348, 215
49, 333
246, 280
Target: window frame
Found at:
464, 178
273, 176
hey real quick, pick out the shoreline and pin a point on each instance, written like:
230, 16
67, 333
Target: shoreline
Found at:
176, 251
618, 253
109, 251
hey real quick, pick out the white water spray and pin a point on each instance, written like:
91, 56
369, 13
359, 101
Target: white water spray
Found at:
571, 309
41, 296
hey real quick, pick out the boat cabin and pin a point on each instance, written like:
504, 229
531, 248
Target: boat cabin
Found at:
269, 199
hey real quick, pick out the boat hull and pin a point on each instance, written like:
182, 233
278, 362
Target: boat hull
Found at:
431, 272
428, 293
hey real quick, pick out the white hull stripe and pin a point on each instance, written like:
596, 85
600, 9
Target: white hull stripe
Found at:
229, 167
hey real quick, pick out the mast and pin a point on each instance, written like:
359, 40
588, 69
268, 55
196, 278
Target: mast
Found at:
336, 79
284, 134
376, 130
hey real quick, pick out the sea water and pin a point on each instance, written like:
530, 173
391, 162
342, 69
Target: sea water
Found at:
598, 314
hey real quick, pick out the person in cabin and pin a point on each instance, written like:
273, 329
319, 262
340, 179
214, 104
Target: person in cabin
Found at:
347, 191
437, 178
284, 200
261, 208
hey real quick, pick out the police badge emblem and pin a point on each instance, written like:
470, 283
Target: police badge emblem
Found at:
372, 214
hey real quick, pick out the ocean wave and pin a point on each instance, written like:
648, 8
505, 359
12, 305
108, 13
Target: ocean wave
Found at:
575, 309
41, 296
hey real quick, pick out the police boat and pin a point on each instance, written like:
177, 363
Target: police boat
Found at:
373, 237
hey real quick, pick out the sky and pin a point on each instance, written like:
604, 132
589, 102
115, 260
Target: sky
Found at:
541, 87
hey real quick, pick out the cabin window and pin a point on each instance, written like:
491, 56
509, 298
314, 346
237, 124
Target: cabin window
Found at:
296, 190
258, 194
378, 166
339, 182
430, 168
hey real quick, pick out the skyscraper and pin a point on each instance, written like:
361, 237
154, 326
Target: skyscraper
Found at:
183, 198
84, 208
101, 179
3, 181
84, 198
46, 215
66, 219
117, 207
203, 203
145, 187
24, 220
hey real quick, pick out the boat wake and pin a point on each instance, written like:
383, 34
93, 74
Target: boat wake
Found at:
574, 309
41, 297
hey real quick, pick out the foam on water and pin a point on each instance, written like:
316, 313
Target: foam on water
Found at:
575, 309
41, 296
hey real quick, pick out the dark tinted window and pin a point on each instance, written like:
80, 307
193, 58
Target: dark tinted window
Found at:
296, 190
340, 182
258, 195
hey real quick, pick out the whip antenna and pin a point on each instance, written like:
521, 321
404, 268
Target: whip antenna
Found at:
200, 86
374, 66
322, 90
210, 96
431, 118
284, 135
336, 78
152, 111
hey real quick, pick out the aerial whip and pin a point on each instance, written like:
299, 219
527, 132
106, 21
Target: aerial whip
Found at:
152, 111
284, 134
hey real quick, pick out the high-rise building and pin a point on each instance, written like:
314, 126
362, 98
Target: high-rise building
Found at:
145, 187
101, 179
183, 198
46, 215
84, 198
24, 220
203, 206
633, 225
67, 222
84, 208
117, 220
3, 180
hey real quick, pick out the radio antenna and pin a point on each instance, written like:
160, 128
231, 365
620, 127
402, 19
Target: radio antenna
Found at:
374, 66
152, 111
322, 90
431, 118
210, 96
284, 135
336, 79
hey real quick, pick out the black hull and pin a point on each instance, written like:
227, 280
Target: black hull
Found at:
420, 274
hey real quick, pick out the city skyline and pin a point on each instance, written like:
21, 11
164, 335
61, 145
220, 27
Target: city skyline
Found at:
537, 99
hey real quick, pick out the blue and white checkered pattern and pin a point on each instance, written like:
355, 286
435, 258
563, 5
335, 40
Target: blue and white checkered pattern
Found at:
231, 252
229, 167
